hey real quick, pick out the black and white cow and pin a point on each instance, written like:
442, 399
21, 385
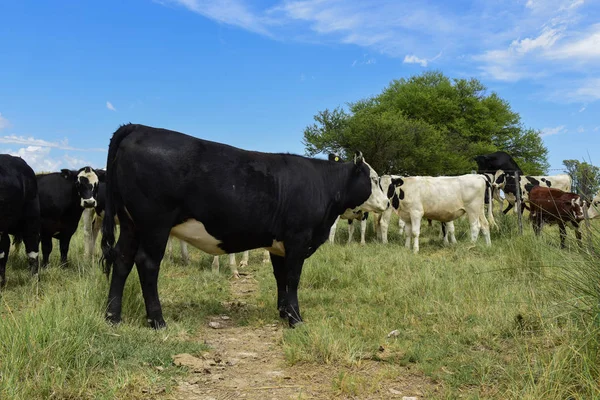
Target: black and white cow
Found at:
221, 199
492, 163
526, 184
444, 199
63, 197
19, 210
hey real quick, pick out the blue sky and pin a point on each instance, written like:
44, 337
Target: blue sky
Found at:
253, 73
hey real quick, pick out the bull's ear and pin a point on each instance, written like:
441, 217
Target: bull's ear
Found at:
101, 174
333, 157
68, 174
358, 158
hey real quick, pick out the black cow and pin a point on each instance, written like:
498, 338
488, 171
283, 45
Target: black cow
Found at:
491, 163
221, 199
19, 210
63, 196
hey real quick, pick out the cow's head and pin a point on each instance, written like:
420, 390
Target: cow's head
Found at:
499, 180
577, 207
86, 183
365, 185
594, 207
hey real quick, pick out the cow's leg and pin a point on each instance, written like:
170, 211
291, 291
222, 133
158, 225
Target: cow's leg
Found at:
147, 260
508, 208
384, 224
294, 260
233, 266
4, 250
401, 226
281, 279
244, 261
266, 256
474, 226
125, 250
415, 223
170, 247
377, 225
485, 227
450, 232
185, 257
563, 233
332, 231
88, 245
444, 234
407, 233
350, 230
46, 250
64, 242
215, 264
96, 225
363, 230
31, 235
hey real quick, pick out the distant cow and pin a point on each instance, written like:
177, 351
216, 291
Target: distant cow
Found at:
527, 183
19, 211
63, 196
554, 206
500, 160
442, 198
221, 199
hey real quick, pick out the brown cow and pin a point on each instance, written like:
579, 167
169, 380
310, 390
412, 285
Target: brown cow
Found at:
555, 206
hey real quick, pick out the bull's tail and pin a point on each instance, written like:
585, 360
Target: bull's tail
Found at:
114, 202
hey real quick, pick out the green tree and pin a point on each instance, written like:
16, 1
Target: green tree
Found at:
427, 125
585, 177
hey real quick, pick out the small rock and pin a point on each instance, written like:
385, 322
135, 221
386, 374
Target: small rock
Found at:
214, 325
247, 355
409, 398
394, 391
225, 317
394, 333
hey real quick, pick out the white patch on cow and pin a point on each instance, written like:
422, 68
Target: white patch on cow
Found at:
277, 248
194, 233
32, 254
91, 176
377, 201
1, 255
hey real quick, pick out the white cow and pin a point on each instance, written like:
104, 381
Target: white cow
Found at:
351, 216
443, 199
243, 262
527, 182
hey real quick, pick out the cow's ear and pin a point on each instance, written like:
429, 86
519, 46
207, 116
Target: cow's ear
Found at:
101, 174
333, 157
358, 158
68, 174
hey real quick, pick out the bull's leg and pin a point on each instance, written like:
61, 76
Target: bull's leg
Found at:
363, 230
147, 260
244, 261
233, 266
185, 257
563, 233
266, 256
4, 250
64, 242
215, 264
125, 251
450, 232
332, 231
350, 230
281, 279
46, 250
415, 223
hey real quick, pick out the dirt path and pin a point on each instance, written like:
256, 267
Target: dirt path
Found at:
247, 362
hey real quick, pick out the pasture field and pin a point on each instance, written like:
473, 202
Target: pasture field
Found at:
518, 320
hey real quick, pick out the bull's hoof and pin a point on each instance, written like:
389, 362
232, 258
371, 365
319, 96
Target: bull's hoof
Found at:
112, 319
157, 323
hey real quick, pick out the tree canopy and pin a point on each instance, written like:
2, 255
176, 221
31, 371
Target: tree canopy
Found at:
427, 125
585, 176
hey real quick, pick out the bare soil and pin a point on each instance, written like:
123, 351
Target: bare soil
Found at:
247, 362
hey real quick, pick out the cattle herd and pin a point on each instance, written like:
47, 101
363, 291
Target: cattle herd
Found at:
224, 200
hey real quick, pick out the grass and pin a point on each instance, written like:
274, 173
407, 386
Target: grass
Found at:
516, 320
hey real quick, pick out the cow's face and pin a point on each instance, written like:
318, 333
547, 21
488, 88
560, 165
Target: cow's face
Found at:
377, 200
86, 183
577, 207
594, 207
499, 181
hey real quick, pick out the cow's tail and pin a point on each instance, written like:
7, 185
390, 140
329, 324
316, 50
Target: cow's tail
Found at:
114, 202
490, 215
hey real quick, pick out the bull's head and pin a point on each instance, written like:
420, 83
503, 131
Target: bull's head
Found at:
86, 183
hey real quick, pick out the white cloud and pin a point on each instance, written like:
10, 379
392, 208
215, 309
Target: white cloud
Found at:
366, 60
412, 59
596, 129
37, 157
553, 131
3, 122
582, 47
580, 129
30, 141
110, 106
582, 109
